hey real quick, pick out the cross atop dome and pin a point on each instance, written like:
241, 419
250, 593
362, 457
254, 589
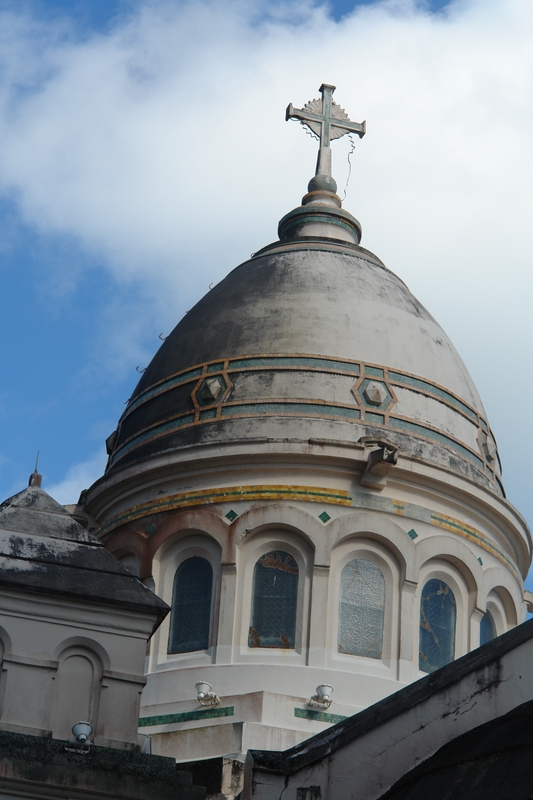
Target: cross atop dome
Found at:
327, 121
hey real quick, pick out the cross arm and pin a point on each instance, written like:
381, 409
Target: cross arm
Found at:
347, 125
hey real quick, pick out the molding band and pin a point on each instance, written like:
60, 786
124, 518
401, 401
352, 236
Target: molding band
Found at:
318, 716
312, 494
186, 716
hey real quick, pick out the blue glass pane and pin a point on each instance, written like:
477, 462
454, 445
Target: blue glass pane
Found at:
191, 606
487, 630
361, 609
437, 626
275, 595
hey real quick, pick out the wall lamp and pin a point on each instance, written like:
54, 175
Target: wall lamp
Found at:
80, 744
205, 694
322, 698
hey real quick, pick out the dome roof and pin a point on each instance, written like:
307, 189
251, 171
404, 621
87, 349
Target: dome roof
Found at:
311, 338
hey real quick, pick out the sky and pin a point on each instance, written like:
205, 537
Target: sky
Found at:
144, 154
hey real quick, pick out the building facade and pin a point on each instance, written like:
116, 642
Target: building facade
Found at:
306, 474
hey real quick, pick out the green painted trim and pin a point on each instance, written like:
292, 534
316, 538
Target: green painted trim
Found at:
320, 410
322, 364
318, 716
362, 500
322, 218
319, 363
154, 433
377, 371
436, 391
185, 377
416, 512
429, 433
289, 408
187, 716
371, 416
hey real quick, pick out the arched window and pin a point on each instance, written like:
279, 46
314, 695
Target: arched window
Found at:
274, 601
190, 619
437, 626
361, 609
487, 629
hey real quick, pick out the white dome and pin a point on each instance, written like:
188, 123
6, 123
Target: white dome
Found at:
291, 339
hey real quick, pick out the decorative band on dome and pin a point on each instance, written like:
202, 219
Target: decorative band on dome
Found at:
322, 221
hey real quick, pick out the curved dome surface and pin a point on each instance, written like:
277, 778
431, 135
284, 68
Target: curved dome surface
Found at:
310, 339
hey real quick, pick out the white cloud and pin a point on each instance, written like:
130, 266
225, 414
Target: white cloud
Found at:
161, 147
78, 477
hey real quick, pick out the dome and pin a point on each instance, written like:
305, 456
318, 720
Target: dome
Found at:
312, 338
303, 469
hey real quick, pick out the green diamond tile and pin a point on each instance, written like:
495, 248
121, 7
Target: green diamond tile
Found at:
231, 515
325, 517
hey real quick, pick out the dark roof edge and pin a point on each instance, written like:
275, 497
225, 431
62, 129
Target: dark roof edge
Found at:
41, 765
158, 608
301, 755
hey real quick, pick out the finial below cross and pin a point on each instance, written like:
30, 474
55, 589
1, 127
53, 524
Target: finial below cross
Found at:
326, 120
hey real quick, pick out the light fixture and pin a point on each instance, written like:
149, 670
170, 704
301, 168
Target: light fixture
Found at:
322, 698
80, 744
205, 694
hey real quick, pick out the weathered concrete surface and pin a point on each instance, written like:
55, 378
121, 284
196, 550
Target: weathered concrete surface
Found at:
311, 298
32, 765
74, 624
490, 762
363, 756
42, 549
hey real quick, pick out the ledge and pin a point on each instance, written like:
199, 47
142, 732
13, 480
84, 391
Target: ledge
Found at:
327, 742
43, 763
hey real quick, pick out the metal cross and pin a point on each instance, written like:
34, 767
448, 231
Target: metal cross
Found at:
326, 120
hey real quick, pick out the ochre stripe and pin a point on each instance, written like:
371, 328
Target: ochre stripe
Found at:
229, 494
313, 494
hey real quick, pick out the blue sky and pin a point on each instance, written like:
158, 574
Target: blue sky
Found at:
101, 248
99, 14
57, 295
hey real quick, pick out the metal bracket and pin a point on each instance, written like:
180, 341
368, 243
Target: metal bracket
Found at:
382, 457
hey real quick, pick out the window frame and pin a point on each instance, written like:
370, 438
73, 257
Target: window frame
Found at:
363, 546
465, 600
275, 537
360, 558
455, 615
167, 560
175, 584
255, 596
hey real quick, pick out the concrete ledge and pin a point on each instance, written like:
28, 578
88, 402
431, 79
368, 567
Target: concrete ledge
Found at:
451, 695
42, 764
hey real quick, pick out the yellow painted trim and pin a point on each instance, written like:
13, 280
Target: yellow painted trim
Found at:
313, 494
228, 494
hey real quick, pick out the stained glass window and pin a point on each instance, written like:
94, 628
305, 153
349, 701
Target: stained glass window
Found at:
437, 626
361, 609
191, 606
487, 630
274, 601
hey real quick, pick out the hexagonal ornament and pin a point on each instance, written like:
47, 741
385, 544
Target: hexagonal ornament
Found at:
489, 447
210, 390
375, 393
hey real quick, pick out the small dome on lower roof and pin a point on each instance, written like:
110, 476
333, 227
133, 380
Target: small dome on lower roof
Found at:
311, 338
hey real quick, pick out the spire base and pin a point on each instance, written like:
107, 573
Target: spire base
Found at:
320, 216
